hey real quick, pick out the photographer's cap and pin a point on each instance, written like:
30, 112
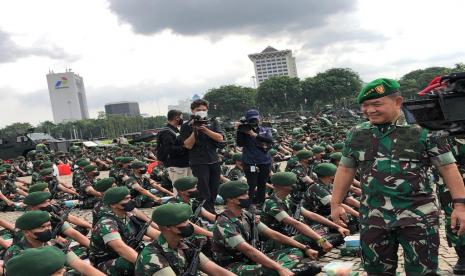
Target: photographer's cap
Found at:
252, 114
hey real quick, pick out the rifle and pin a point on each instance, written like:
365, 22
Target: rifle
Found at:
289, 229
195, 261
62, 219
195, 217
136, 241
255, 242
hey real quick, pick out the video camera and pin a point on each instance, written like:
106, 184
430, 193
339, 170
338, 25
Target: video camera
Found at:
443, 108
199, 121
245, 125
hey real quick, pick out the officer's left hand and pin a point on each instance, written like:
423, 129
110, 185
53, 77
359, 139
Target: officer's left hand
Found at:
457, 218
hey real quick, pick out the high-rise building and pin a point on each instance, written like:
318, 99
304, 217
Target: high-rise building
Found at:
68, 96
130, 109
271, 62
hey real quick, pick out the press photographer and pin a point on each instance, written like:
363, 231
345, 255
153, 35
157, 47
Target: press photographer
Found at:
202, 137
256, 140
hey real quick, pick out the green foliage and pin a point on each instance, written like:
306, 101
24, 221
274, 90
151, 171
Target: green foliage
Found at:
414, 81
16, 128
279, 94
230, 100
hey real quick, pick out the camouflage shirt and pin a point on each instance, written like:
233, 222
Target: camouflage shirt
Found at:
317, 198
274, 211
393, 162
229, 232
236, 174
301, 185
108, 228
159, 257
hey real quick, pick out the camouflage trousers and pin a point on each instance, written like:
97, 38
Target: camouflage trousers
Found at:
116, 267
289, 258
143, 201
419, 241
447, 206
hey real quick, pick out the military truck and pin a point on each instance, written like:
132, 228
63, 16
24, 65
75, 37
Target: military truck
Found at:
13, 146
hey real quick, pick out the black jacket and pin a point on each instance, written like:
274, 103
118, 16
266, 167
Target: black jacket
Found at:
177, 155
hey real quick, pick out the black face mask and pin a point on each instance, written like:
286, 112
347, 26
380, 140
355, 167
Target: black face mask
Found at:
129, 206
245, 202
48, 208
194, 194
95, 173
48, 177
180, 121
142, 171
44, 236
186, 231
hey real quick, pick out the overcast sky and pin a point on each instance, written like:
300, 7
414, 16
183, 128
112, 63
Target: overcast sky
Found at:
159, 51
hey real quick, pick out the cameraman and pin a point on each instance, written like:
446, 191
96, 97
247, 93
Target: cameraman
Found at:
256, 140
170, 150
202, 137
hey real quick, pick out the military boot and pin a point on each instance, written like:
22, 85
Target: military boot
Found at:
459, 268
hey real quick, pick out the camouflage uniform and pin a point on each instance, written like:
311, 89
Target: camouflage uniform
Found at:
397, 203
236, 174
23, 244
291, 163
142, 201
301, 186
110, 227
229, 232
445, 198
317, 198
78, 175
88, 201
158, 256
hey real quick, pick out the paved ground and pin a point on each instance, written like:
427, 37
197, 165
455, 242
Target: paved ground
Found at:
447, 256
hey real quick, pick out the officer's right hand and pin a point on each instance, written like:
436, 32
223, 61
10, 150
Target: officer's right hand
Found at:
285, 272
339, 215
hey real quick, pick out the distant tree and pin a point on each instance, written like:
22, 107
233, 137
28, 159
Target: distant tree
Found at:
415, 81
279, 94
230, 100
16, 128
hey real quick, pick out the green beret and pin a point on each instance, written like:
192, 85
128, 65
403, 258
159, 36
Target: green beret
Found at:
273, 152
237, 157
45, 172
126, 160
7, 166
170, 214
137, 164
336, 155
185, 183
42, 261
104, 184
304, 154
233, 189
38, 187
115, 195
378, 89
318, 149
338, 146
82, 163
32, 219
90, 168
284, 179
297, 146
31, 153
36, 198
325, 169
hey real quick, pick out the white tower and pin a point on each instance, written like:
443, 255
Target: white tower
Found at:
68, 96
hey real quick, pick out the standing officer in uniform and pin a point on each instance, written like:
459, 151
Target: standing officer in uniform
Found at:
397, 204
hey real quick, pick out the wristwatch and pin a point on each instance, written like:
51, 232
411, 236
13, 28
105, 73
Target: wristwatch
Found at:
321, 241
459, 200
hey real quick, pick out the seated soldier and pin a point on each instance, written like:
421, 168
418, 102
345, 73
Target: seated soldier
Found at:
171, 253
237, 173
237, 231
318, 196
41, 201
36, 230
109, 250
47, 260
302, 171
277, 214
88, 194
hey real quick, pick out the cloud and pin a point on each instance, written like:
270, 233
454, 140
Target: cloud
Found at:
259, 17
10, 51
